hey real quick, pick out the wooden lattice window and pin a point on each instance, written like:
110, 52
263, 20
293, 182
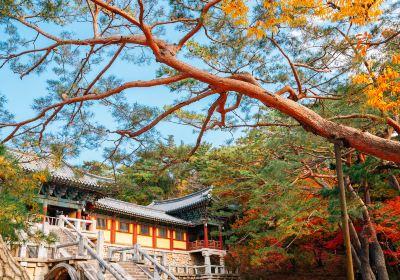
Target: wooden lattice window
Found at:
123, 227
144, 230
162, 232
101, 223
179, 235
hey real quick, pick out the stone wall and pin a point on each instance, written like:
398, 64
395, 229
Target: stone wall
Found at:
9, 267
35, 268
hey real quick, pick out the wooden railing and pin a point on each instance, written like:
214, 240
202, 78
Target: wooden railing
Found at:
199, 244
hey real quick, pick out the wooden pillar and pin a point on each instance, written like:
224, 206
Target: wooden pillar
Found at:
186, 236
154, 237
93, 225
134, 238
171, 239
79, 224
79, 214
113, 230
44, 210
205, 235
220, 237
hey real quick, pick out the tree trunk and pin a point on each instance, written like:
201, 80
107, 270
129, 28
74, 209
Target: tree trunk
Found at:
360, 252
366, 271
9, 267
378, 260
369, 235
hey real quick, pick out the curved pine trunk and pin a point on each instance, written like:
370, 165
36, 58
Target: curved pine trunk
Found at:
10, 269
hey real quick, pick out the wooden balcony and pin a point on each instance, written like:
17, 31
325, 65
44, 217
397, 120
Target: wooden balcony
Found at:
199, 244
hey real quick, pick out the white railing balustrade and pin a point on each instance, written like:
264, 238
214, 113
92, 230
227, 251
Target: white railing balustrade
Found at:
80, 224
196, 269
140, 255
52, 221
87, 247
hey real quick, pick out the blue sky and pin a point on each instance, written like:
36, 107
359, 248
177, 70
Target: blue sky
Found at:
20, 95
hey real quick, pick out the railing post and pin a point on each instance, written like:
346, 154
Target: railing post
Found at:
42, 252
207, 262
77, 224
156, 275
61, 221
23, 250
55, 253
123, 256
81, 246
222, 263
45, 228
100, 243
110, 253
164, 258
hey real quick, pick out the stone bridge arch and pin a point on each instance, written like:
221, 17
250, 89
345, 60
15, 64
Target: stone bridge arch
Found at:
62, 271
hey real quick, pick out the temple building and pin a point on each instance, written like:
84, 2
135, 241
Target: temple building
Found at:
180, 234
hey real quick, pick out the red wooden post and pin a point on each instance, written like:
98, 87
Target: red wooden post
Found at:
171, 239
186, 235
205, 235
79, 214
154, 237
113, 230
44, 211
220, 237
134, 239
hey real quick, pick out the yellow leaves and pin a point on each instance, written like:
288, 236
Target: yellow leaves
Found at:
41, 177
360, 12
396, 59
237, 9
382, 89
361, 45
295, 13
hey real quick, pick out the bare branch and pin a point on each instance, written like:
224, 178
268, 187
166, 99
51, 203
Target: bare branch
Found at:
199, 24
204, 127
151, 83
164, 115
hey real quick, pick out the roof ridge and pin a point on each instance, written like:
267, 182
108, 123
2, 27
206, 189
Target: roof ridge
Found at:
85, 172
112, 204
138, 205
50, 156
158, 202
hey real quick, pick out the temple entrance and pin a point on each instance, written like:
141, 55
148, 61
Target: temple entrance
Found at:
54, 211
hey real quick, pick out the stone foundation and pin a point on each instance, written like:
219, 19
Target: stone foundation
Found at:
36, 268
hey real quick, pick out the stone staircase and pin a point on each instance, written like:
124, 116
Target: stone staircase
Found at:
64, 236
90, 269
134, 270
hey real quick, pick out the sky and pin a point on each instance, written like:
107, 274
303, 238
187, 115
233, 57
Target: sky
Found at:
21, 92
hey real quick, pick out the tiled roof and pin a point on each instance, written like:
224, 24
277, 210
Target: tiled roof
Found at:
176, 204
138, 211
59, 171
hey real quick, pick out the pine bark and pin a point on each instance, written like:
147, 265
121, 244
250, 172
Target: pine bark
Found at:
369, 242
10, 269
